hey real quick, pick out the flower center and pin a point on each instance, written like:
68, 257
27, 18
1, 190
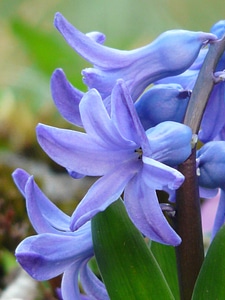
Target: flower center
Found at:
139, 152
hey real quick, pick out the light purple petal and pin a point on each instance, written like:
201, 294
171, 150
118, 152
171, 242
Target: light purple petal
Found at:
179, 49
91, 284
125, 116
47, 255
20, 178
77, 152
211, 165
158, 176
186, 79
218, 28
139, 67
98, 124
74, 174
69, 286
213, 118
162, 102
104, 57
103, 192
102, 80
95, 53
85, 297
96, 36
207, 193
43, 214
66, 97
143, 208
170, 142
220, 214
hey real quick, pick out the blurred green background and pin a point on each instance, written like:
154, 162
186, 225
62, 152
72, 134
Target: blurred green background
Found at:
30, 50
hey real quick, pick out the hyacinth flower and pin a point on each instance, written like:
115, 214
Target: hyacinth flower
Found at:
162, 102
127, 158
211, 171
213, 119
139, 67
66, 97
187, 78
55, 249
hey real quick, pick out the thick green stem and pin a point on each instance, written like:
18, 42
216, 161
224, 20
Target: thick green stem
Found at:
190, 253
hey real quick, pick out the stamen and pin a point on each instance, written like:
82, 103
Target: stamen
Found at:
139, 151
168, 209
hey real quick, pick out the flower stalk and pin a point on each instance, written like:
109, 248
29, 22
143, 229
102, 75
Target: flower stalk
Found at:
190, 254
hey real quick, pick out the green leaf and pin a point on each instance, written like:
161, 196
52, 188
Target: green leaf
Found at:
7, 261
166, 258
211, 280
127, 266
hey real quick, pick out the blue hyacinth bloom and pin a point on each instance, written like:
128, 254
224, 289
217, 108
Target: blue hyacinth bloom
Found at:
116, 147
56, 249
170, 54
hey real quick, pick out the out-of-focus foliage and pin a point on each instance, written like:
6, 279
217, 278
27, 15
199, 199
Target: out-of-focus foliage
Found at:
31, 48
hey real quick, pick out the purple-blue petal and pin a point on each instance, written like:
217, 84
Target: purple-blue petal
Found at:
218, 28
97, 54
66, 97
78, 152
207, 193
162, 102
213, 118
159, 176
124, 115
139, 67
47, 255
188, 78
220, 214
211, 165
99, 125
70, 283
170, 142
43, 214
179, 48
74, 174
91, 284
20, 178
143, 208
97, 36
103, 192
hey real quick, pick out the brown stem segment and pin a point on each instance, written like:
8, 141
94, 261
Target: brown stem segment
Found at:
190, 253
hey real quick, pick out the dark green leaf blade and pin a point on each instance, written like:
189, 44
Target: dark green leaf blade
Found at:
211, 280
166, 258
128, 268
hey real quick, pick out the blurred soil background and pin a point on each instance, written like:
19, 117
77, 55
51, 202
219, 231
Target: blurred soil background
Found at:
30, 50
